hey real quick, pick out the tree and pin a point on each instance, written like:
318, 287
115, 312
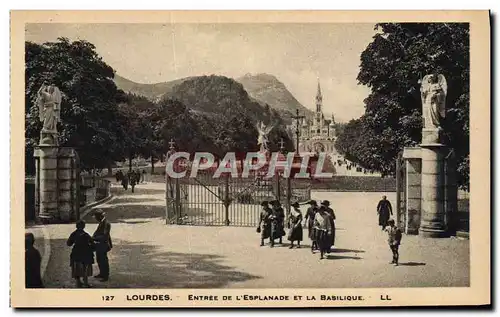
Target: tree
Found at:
91, 122
393, 65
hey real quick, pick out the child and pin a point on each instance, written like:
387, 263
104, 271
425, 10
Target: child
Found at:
32, 263
82, 254
394, 240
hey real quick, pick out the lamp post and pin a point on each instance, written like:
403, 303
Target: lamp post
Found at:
297, 118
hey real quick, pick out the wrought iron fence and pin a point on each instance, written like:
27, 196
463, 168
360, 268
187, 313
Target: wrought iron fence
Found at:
231, 201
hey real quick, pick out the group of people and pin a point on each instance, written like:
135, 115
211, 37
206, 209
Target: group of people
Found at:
84, 246
132, 178
320, 221
81, 257
384, 211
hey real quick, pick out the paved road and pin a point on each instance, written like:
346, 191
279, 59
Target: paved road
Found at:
149, 254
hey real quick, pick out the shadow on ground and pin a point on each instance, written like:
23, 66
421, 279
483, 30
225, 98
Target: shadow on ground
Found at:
138, 265
341, 257
411, 264
338, 250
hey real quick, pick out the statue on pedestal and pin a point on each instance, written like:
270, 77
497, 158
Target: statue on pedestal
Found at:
263, 139
433, 92
49, 106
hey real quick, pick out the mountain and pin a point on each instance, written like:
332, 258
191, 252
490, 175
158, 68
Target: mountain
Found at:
260, 88
150, 91
214, 95
267, 89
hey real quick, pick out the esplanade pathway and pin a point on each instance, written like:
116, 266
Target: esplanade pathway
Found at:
149, 254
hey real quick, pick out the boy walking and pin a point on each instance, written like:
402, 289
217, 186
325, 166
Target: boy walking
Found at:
394, 240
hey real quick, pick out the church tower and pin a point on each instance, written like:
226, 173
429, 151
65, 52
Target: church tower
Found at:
319, 99
318, 120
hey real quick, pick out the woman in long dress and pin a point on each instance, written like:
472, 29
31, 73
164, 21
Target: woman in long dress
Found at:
82, 254
310, 214
278, 222
384, 211
295, 233
323, 229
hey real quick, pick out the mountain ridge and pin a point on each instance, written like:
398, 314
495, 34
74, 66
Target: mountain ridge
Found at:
263, 88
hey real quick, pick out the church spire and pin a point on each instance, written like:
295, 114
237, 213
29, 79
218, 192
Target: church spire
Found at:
319, 99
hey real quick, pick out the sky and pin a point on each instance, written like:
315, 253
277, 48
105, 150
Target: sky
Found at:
297, 54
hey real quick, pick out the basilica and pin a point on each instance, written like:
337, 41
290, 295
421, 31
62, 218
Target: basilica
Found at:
317, 134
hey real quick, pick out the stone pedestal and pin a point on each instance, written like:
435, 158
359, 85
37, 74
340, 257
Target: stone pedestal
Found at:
433, 222
57, 189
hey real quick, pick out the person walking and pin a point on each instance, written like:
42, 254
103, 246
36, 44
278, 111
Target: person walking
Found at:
323, 230
310, 214
278, 222
82, 254
326, 205
384, 211
32, 263
295, 222
125, 181
132, 180
264, 227
394, 240
103, 244
143, 179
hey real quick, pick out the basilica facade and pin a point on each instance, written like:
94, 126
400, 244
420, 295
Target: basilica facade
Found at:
317, 134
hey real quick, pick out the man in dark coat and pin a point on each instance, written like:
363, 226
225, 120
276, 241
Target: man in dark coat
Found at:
132, 179
103, 245
125, 181
384, 211
33, 260
278, 222
326, 205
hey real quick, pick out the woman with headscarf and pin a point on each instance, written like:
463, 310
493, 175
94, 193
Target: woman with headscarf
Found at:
310, 214
295, 223
323, 230
264, 227
82, 254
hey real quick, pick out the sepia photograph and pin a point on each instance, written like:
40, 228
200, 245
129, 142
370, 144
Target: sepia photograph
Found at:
221, 161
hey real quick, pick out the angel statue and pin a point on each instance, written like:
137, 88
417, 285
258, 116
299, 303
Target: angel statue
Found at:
49, 106
263, 140
433, 92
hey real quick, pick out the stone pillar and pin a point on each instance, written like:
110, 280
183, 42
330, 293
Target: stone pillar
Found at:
67, 180
413, 190
57, 187
46, 179
433, 223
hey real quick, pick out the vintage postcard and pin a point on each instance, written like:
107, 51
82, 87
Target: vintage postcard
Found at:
250, 159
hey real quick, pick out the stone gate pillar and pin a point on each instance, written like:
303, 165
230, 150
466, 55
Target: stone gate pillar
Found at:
57, 184
433, 153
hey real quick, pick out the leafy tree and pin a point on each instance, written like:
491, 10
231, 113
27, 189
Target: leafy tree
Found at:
90, 118
393, 65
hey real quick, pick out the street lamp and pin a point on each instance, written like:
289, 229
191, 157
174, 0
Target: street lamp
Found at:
297, 118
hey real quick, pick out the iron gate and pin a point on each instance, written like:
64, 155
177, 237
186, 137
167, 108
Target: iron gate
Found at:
226, 200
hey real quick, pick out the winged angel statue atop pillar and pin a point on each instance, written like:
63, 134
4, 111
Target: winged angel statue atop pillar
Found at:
49, 106
263, 139
433, 92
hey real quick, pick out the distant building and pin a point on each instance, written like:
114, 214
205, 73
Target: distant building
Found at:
317, 134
